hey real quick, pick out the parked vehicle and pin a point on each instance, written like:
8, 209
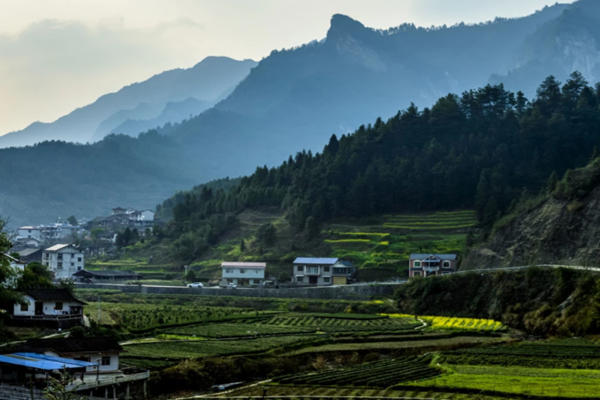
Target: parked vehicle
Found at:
195, 285
231, 285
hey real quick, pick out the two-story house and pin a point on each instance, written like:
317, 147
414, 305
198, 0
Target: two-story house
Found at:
431, 264
63, 260
243, 273
323, 271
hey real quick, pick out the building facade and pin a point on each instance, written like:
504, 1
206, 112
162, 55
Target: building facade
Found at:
29, 232
63, 260
431, 264
48, 305
99, 351
243, 273
323, 271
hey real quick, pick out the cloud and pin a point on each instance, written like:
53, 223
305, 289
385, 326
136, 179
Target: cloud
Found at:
54, 66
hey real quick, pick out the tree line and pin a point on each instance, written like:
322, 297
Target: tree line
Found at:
479, 150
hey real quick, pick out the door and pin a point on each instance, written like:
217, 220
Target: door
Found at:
39, 308
313, 280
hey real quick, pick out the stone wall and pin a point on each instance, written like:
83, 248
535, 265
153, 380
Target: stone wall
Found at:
350, 292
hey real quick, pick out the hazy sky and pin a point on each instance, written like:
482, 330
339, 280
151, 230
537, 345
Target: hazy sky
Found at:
56, 55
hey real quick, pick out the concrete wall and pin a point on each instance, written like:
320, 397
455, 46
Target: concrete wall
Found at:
348, 292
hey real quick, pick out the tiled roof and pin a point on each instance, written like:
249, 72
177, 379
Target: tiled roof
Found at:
320, 261
52, 295
68, 345
235, 264
106, 273
445, 257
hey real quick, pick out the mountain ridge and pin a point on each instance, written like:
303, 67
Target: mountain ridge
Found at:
178, 84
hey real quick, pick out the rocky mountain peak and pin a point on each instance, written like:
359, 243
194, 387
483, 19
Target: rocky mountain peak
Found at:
343, 26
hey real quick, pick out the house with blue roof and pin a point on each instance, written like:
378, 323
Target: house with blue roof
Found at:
323, 271
431, 264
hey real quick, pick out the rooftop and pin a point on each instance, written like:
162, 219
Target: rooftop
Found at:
105, 273
52, 295
74, 345
244, 264
320, 261
43, 362
446, 257
58, 247
28, 252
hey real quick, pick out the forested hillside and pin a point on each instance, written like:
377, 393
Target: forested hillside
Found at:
558, 226
481, 149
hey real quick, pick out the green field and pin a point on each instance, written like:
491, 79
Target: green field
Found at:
528, 381
431, 344
138, 317
234, 330
151, 355
343, 322
378, 374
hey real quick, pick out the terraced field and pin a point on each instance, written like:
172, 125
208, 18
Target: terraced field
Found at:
375, 374
464, 324
343, 323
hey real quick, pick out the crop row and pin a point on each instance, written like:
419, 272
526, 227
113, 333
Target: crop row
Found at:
377, 374
536, 350
341, 324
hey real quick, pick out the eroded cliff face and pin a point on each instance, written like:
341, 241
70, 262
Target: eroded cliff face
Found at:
559, 231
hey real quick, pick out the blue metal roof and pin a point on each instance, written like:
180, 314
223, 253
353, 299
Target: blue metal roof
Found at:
57, 359
47, 363
320, 261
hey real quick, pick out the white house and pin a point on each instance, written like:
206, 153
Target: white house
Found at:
243, 273
29, 232
323, 271
63, 260
48, 305
97, 350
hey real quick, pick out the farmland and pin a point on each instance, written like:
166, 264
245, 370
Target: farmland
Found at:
374, 374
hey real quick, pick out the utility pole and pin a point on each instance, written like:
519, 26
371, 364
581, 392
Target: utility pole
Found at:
98, 309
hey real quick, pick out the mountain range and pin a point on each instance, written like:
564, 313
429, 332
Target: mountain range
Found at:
295, 99
169, 96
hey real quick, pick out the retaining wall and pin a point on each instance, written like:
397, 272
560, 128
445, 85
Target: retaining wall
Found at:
350, 292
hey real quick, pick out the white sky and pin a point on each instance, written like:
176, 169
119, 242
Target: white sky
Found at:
56, 55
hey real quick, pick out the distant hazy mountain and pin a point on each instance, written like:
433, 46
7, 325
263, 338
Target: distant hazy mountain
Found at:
172, 113
292, 100
570, 42
295, 99
207, 81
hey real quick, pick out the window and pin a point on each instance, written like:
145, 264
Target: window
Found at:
300, 268
312, 270
78, 268
60, 257
256, 271
29, 230
59, 306
72, 255
79, 259
229, 271
417, 264
326, 269
72, 264
446, 264
300, 278
326, 279
25, 307
105, 360
242, 271
47, 264
59, 265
